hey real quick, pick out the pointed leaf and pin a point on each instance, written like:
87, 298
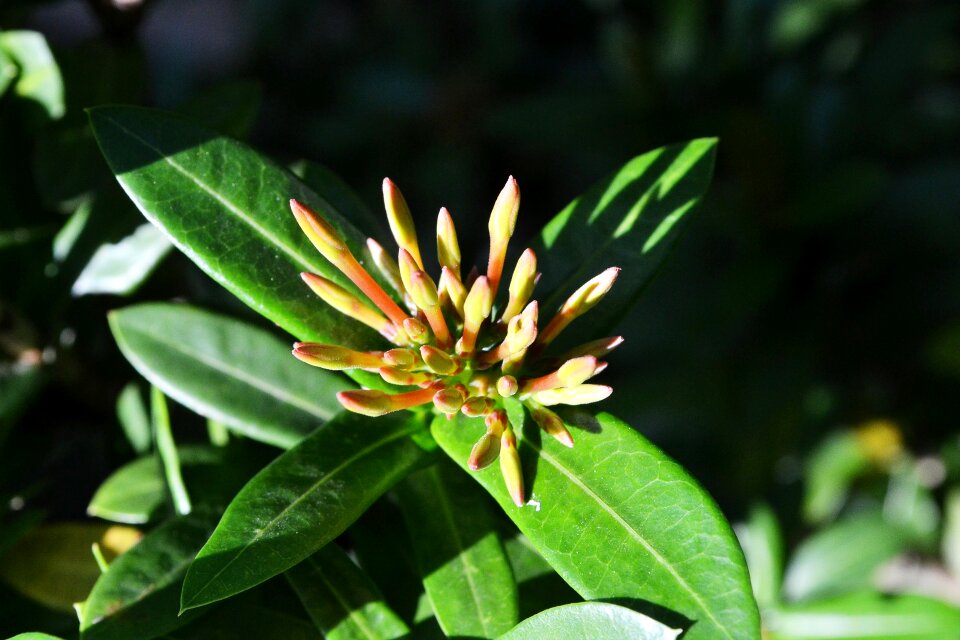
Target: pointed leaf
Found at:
137, 597
464, 566
618, 519
342, 600
591, 621
227, 370
303, 500
629, 220
132, 494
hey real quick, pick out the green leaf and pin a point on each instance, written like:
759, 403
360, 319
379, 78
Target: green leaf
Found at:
35, 635
133, 494
227, 370
226, 207
464, 567
591, 621
167, 450
950, 544
38, 80
539, 586
832, 467
301, 501
842, 557
132, 414
629, 220
618, 519
245, 618
762, 545
122, 267
230, 107
137, 597
866, 616
342, 600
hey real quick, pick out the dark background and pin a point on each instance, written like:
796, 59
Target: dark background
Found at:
817, 288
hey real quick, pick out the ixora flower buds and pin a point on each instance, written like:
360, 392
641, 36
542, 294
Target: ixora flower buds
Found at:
454, 348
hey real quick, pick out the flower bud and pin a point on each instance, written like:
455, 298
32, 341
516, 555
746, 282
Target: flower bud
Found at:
551, 423
448, 248
584, 394
577, 371
507, 386
405, 378
582, 300
416, 330
457, 293
386, 265
417, 283
401, 222
503, 219
320, 232
521, 284
476, 309
448, 400
349, 305
404, 359
598, 348
510, 467
438, 361
477, 406
371, 402
336, 358
484, 452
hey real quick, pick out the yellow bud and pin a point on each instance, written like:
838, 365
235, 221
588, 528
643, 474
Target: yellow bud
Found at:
404, 378
401, 222
577, 371
551, 424
521, 284
417, 283
371, 402
584, 394
336, 358
510, 467
477, 406
507, 386
320, 232
450, 283
582, 300
386, 265
503, 217
448, 248
401, 358
484, 452
438, 361
349, 305
476, 309
416, 330
448, 400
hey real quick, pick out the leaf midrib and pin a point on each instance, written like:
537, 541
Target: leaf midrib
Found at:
589, 492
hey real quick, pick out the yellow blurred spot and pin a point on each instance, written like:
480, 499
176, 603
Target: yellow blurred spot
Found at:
880, 440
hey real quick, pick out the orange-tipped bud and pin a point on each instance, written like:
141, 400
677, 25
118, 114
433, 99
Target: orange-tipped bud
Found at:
448, 248
582, 300
336, 358
417, 283
551, 423
320, 232
416, 330
371, 402
507, 386
438, 361
349, 305
405, 359
521, 284
448, 400
456, 292
476, 309
386, 265
503, 219
405, 378
598, 348
477, 406
401, 222
484, 452
577, 371
510, 467
584, 394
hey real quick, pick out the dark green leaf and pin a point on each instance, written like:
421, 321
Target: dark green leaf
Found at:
629, 220
762, 545
866, 616
341, 197
539, 586
122, 267
342, 600
238, 618
303, 500
226, 207
464, 567
227, 370
137, 597
619, 520
38, 80
132, 414
591, 621
229, 108
842, 557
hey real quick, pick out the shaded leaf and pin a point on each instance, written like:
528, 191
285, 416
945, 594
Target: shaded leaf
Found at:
342, 600
619, 520
132, 414
38, 76
539, 587
591, 621
464, 567
227, 370
230, 107
300, 502
762, 546
122, 267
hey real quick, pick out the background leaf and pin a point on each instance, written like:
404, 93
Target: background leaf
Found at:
301, 501
227, 370
465, 570
133, 494
762, 546
38, 79
591, 621
621, 521
122, 267
342, 600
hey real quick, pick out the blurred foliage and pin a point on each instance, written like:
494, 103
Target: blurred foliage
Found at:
819, 289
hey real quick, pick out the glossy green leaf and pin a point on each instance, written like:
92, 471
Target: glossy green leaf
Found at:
842, 557
132, 414
38, 78
762, 546
227, 370
618, 519
342, 600
866, 616
122, 267
591, 621
539, 587
133, 494
629, 220
464, 567
137, 597
226, 207
300, 502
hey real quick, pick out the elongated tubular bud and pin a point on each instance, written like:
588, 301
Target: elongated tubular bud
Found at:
584, 394
598, 348
401, 222
405, 359
582, 300
571, 374
438, 361
477, 406
349, 305
456, 292
328, 242
334, 358
476, 309
424, 293
503, 219
387, 267
521, 284
551, 423
371, 402
416, 330
448, 248
510, 467
405, 378
507, 386
448, 400
521, 332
